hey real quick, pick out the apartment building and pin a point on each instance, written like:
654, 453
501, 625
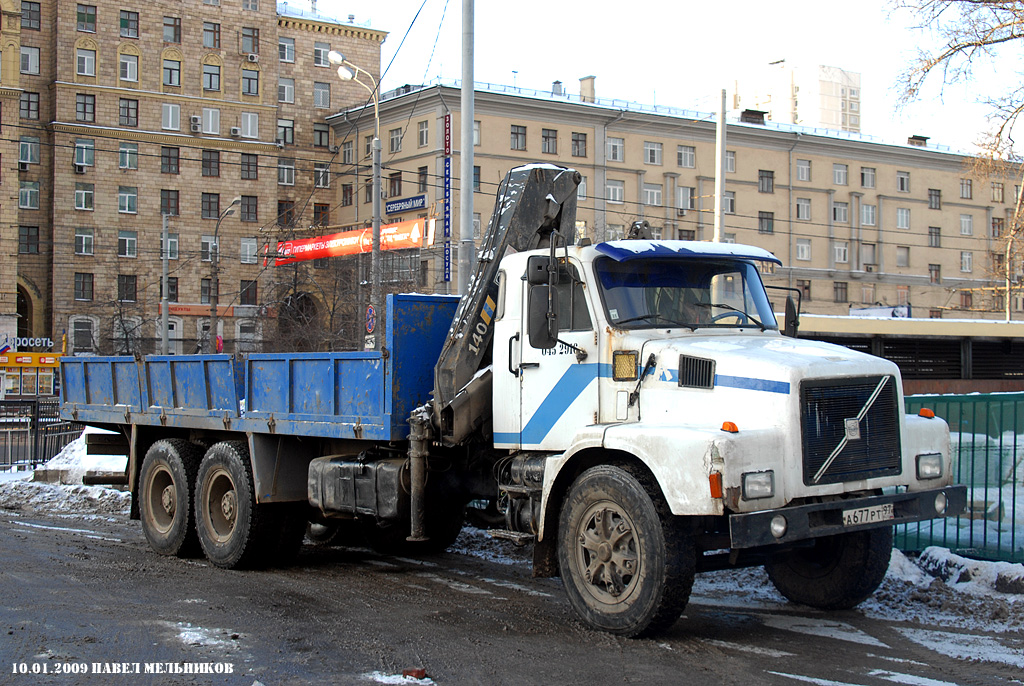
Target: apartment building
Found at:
856, 223
809, 95
210, 113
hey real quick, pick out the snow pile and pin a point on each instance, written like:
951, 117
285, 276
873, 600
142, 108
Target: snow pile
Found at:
29, 497
75, 461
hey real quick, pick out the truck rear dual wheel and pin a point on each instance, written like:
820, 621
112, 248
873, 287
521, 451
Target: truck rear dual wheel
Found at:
627, 565
836, 572
165, 497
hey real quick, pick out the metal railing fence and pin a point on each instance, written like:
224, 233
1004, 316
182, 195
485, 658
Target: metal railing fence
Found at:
32, 432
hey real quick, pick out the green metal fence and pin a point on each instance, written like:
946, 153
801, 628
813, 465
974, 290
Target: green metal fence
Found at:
987, 437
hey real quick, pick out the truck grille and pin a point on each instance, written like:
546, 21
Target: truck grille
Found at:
850, 429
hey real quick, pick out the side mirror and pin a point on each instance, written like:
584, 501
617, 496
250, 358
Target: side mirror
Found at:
792, 317
538, 270
542, 316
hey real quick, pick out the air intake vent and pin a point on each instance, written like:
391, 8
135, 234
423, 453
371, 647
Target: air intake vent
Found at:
696, 372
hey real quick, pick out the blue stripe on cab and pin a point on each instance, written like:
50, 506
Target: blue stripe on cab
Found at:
749, 384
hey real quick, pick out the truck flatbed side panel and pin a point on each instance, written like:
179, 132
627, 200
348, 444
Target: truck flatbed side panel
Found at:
417, 328
100, 389
195, 385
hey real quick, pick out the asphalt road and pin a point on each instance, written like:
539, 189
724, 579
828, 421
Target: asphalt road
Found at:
83, 592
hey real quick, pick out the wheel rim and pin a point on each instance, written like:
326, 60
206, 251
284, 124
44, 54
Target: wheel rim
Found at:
163, 499
221, 505
607, 553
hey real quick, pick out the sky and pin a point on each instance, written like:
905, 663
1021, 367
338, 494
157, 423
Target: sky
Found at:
671, 53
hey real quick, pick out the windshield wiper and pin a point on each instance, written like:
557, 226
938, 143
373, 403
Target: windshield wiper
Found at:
726, 306
651, 315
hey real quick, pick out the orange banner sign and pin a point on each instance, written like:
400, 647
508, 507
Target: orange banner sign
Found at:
407, 234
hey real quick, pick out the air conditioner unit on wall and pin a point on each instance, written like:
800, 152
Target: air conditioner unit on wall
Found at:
869, 267
22, 166
196, 128
236, 131
680, 212
79, 168
195, 119
252, 57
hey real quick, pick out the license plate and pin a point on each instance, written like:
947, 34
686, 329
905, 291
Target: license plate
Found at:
868, 515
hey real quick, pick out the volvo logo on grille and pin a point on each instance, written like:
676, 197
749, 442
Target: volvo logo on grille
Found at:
852, 429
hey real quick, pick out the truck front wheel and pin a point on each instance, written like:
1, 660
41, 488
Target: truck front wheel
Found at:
836, 572
165, 497
627, 565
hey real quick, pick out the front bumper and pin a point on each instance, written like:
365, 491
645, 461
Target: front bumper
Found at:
751, 530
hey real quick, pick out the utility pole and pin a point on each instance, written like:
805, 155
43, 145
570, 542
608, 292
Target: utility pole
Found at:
164, 299
720, 173
467, 244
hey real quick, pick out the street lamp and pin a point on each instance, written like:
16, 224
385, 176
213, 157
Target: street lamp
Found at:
350, 72
214, 273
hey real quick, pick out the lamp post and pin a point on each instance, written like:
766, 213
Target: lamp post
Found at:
350, 72
215, 274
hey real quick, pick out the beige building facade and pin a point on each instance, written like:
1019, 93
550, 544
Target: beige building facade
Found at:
856, 223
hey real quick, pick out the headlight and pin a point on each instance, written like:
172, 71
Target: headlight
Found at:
929, 466
757, 485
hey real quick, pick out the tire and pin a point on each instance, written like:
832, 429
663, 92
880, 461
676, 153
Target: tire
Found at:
233, 530
626, 563
166, 483
837, 572
337, 532
443, 525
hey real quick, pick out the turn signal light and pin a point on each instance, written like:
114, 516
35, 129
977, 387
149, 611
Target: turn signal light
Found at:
730, 427
715, 481
926, 413
624, 365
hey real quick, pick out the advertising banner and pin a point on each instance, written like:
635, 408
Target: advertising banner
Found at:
407, 234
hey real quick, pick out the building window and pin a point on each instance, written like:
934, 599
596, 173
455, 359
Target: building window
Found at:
839, 174
966, 260
395, 185
285, 212
30, 15
28, 150
172, 73
997, 186
765, 181
422, 179
28, 240
766, 222
286, 171
169, 202
170, 116
616, 149
686, 197
321, 95
211, 35
867, 254
128, 112
168, 160
652, 194
730, 161
423, 134
518, 137
581, 190
934, 199
902, 256
129, 24
205, 286
322, 175
250, 39
803, 249
867, 177
127, 286
867, 293
127, 244
208, 247
28, 196
85, 107
250, 82
128, 156
321, 135
29, 60
286, 49
84, 196
934, 273
476, 133
839, 292
83, 241
211, 163
87, 18
998, 226
966, 189
86, 62
83, 291
841, 212
211, 120
247, 293
686, 156
615, 192
348, 152
729, 202
250, 124
247, 251
211, 206
250, 166
868, 215
128, 68
127, 199
803, 170
579, 144
903, 181
368, 195
248, 211
476, 177
172, 246
347, 195
841, 253
211, 77
652, 152
805, 288
966, 225
85, 152
172, 29
29, 107
549, 141
321, 214
172, 289
966, 300
934, 237
902, 218
285, 131
320, 51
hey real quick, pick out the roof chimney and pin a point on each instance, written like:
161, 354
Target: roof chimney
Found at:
587, 93
351, 19
919, 141
752, 117
556, 88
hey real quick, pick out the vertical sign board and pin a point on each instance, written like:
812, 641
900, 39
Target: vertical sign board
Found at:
447, 197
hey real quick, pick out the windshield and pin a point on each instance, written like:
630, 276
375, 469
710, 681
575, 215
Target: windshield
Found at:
660, 293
